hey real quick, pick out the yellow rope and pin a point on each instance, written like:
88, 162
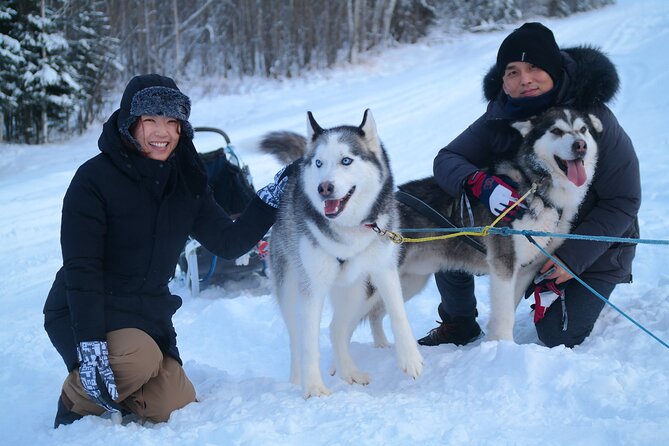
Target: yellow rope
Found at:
399, 239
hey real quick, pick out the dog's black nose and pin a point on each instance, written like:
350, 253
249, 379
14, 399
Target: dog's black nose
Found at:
579, 146
325, 189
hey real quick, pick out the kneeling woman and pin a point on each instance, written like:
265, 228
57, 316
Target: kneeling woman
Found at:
126, 217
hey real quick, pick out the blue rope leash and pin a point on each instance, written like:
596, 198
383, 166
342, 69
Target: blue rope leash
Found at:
528, 234
593, 291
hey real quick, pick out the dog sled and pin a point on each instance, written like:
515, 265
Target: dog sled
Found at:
231, 182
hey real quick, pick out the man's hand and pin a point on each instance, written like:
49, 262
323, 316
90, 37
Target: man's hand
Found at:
559, 275
496, 192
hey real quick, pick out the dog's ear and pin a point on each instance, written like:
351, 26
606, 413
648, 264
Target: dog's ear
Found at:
313, 129
368, 127
596, 123
365, 115
523, 127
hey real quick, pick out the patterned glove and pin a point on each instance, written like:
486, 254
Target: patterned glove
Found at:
272, 193
96, 374
496, 192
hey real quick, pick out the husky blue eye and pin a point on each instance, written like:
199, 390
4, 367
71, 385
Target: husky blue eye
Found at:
319, 163
346, 161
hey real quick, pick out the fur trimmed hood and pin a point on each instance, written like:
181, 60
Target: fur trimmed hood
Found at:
589, 79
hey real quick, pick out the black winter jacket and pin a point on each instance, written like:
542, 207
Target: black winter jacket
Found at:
126, 218
610, 208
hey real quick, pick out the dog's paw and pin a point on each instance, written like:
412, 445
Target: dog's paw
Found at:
316, 390
382, 344
493, 337
356, 377
380, 339
497, 334
411, 363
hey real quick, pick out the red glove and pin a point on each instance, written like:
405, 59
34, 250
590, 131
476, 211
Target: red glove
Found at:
262, 247
545, 293
496, 192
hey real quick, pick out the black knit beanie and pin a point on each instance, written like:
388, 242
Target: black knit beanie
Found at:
532, 43
153, 95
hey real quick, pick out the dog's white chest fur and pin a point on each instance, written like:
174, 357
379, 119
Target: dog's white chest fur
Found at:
355, 253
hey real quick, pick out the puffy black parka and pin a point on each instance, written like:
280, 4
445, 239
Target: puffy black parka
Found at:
125, 220
610, 207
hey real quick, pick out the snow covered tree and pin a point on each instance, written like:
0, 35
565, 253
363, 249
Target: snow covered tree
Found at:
92, 53
10, 59
46, 88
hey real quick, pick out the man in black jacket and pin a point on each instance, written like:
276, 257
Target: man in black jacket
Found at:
531, 75
126, 217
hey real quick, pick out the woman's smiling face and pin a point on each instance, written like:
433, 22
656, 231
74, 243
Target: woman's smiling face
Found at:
157, 135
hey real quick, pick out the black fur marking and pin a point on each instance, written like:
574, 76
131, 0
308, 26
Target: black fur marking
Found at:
382, 202
357, 149
370, 288
314, 126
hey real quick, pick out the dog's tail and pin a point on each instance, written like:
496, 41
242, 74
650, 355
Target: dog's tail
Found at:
285, 146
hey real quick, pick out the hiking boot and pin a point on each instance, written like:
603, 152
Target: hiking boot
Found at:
64, 415
458, 331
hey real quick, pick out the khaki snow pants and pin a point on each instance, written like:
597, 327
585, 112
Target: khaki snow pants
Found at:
150, 384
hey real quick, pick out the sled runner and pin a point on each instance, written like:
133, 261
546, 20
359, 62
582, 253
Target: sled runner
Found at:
231, 182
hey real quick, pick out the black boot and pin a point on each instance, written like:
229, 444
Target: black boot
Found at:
457, 330
65, 415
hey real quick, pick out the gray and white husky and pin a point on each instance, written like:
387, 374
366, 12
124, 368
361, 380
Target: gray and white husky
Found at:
558, 154
323, 244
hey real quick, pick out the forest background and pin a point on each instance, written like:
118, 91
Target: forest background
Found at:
59, 59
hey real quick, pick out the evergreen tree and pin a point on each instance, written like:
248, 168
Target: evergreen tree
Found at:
47, 88
10, 59
93, 54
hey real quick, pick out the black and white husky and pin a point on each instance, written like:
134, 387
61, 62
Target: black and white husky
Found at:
558, 155
323, 244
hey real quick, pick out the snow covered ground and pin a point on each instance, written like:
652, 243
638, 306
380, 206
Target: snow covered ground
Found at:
613, 389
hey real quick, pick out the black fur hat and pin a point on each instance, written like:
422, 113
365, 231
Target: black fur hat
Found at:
532, 43
153, 95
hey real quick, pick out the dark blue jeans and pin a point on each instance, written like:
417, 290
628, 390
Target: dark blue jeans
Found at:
583, 307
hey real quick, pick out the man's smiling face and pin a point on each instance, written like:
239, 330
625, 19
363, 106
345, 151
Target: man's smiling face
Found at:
522, 79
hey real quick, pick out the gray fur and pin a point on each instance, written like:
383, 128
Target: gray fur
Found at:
285, 146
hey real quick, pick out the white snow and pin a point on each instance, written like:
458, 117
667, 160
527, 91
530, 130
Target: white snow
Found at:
611, 390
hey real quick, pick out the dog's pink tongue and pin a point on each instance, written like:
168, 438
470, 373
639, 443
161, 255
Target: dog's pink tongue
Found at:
331, 206
576, 172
